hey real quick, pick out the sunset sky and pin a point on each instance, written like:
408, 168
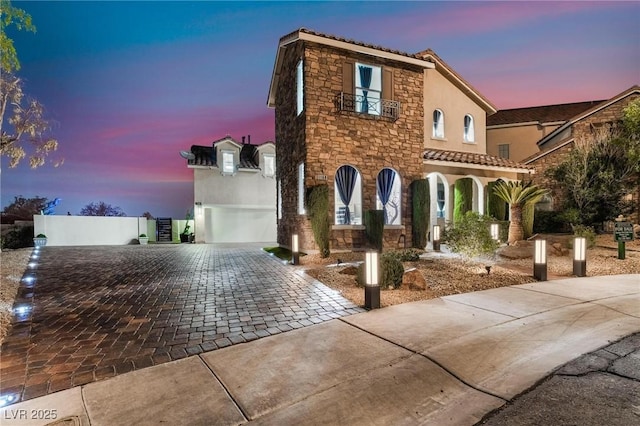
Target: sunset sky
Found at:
130, 84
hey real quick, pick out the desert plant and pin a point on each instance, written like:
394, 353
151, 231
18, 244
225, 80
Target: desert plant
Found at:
142, 236
318, 210
420, 212
374, 227
406, 255
518, 194
471, 236
41, 236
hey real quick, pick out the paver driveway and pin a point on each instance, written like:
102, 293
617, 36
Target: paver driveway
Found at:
95, 312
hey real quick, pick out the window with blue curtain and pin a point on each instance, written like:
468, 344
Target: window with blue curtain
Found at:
388, 196
348, 196
368, 81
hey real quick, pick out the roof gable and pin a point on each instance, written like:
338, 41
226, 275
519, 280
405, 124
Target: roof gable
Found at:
457, 80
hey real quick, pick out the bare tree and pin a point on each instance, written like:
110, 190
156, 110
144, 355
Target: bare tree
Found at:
101, 209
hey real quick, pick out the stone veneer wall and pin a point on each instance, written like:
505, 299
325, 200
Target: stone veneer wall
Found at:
581, 129
326, 139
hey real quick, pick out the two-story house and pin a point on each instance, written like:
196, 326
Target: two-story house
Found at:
234, 191
367, 121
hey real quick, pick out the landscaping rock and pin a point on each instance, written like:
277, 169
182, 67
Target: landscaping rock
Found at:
350, 270
519, 250
414, 280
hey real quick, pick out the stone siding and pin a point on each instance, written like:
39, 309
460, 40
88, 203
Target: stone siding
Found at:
326, 138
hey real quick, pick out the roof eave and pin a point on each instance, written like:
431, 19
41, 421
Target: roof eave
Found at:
478, 166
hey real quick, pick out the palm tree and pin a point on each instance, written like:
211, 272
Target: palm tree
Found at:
518, 194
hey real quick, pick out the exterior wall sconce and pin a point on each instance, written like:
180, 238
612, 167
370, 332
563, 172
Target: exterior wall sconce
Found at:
436, 237
295, 252
540, 260
580, 256
372, 286
495, 231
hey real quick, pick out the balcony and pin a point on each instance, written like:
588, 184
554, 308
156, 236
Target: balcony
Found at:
368, 106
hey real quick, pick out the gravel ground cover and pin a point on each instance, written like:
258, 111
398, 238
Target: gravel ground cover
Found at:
12, 266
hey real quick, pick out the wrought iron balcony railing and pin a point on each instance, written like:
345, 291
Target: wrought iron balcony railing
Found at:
369, 106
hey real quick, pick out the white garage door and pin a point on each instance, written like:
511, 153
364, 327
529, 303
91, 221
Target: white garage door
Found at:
234, 225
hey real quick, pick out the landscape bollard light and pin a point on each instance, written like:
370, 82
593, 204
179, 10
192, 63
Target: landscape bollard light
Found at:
295, 253
371, 286
580, 257
436, 237
495, 231
540, 260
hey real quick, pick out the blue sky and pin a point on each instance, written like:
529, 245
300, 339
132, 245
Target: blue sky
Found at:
129, 84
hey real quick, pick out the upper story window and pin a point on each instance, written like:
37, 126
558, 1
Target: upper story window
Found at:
301, 209
388, 195
348, 196
368, 81
269, 165
228, 164
503, 150
469, 132
438, 124
299, 87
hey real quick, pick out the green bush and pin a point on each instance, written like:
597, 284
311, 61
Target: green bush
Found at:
391, 272
18, 237
318, 209
549, 222
420, 212
496, 207
374, 228
463, 198
471, 236
406, 255
584, 231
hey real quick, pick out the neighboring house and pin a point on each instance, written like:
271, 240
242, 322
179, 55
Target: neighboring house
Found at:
234, 191
367, 121
553, 147
513, 133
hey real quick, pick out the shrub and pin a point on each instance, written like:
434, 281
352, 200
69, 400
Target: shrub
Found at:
463, 199
406, 255
420, 212
471, 236
549, 222
391, 272
584, 231
496, 207
18, 237
142, 236
318, 204
374, 227
41, 236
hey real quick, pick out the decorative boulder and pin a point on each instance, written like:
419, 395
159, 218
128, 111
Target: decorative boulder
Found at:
414, 280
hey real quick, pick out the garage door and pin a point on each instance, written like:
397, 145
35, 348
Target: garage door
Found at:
234, 225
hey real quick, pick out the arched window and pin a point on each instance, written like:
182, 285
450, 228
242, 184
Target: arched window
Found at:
348, 196
469, 133
438, 124
388, 196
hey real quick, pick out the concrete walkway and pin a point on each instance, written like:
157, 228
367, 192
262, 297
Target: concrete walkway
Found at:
447, 361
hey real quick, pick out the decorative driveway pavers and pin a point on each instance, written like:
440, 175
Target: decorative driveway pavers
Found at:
96, 312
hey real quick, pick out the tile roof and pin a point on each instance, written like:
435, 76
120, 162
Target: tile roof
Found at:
541, 114
206, 156
471, 158
357, 43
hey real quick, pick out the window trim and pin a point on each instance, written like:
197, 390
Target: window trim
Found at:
264, 160
500, 145
300, 87
225, 153
469, 133
301, 203
438, 124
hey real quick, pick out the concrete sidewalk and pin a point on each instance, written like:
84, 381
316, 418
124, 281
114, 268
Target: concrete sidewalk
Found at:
446, 361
